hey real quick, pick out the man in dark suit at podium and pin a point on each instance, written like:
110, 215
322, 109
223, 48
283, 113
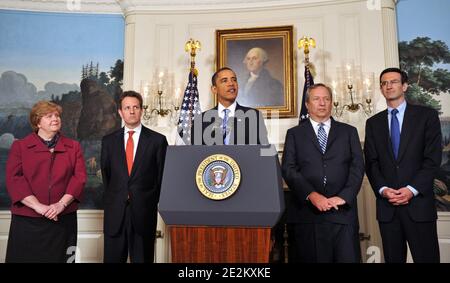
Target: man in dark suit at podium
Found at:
403, 153
228, 123
323, 167
132, 161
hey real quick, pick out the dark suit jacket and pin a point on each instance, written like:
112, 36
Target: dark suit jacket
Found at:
419, 159
246, 127
304, 167
265, 91
143, 185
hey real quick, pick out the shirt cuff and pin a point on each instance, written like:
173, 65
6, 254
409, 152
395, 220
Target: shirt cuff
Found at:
414, 191
380, 191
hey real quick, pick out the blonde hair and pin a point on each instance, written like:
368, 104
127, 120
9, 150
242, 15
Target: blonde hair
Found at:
40, 109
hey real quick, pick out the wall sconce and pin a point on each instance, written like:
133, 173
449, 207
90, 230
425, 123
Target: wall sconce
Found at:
160, 105
353, 90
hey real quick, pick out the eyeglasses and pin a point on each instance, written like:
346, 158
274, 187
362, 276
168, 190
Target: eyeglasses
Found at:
128, 108
386, 83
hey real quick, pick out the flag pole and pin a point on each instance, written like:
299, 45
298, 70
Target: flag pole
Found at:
305, 43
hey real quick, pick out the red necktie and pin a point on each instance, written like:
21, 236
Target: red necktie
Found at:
129, 149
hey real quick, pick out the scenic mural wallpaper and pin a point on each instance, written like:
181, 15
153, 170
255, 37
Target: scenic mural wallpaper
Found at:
424, 53
74, 60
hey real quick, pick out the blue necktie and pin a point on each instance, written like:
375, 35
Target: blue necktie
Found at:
224, 125
322, 137
395, 132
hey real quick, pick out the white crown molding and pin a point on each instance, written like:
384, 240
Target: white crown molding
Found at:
160, 6
218, 6
64, 6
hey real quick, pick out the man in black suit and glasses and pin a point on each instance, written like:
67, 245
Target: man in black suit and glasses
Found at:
403, 152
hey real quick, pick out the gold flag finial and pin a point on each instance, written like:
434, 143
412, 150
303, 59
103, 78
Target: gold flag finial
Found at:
305, 42
192, 46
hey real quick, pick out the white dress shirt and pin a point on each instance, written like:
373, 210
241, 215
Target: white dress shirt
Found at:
316, 125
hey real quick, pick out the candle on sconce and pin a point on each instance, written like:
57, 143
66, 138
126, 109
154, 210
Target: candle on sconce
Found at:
334, 94
334, 85
160, 82
349, 74
146, 90
367, 84
177, 96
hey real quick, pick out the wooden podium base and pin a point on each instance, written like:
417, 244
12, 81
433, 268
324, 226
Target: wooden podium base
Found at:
220, 244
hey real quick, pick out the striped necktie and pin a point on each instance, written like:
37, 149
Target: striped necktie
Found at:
322, 137
224, 125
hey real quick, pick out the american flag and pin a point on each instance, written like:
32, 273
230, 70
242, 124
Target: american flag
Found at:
190, 109
308, 82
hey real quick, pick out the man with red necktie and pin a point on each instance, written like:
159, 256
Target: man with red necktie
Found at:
132, 161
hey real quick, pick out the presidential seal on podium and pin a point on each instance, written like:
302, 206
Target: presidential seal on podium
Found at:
218, 177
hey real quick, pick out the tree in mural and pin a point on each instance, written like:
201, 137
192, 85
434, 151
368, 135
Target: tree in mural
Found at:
115, 84
116, 72
418, 57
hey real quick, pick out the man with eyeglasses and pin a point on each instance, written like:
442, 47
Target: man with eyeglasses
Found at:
403, 153
132, 161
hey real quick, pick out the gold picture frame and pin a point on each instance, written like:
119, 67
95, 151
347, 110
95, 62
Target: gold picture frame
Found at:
273, 90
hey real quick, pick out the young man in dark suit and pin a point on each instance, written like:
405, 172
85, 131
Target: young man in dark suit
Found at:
228, 123
323, 167
403, 153
132, 161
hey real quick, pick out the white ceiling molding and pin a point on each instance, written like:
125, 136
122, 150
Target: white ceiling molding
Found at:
64, 6
158, 6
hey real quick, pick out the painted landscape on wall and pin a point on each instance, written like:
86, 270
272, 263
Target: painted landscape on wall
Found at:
425, 55
74, 60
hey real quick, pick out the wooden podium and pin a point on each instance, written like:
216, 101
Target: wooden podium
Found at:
234, 230
219, 244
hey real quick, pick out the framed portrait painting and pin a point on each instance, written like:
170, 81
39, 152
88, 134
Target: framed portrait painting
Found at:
263, 61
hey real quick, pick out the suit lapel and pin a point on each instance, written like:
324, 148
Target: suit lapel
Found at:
333, 133
237, 124
142, 145
385, 134
119, 140
408, 122
215, 120
311, 134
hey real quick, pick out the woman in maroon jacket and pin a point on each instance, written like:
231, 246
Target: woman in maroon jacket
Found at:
45, 176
